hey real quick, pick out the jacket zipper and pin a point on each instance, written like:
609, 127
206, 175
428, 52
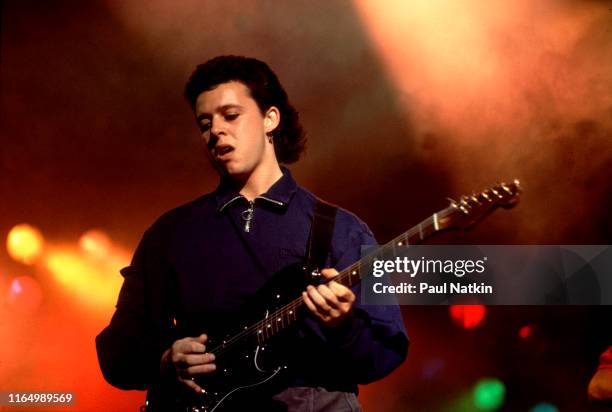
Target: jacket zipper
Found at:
247, 216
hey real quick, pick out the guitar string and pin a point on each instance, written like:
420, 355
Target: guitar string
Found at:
345, 274
262, 327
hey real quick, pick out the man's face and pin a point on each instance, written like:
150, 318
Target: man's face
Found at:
234, 129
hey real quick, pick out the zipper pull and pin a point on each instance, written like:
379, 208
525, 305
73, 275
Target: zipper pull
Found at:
247, 216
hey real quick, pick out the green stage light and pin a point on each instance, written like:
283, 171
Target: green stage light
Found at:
489, 394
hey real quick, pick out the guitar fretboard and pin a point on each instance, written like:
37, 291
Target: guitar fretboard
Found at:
287, 315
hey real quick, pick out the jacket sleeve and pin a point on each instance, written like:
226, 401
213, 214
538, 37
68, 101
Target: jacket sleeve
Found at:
372, 342
130, 347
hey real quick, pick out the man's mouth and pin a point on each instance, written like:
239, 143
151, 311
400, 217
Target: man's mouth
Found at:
222, 152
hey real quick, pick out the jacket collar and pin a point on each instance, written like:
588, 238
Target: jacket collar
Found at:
279, 194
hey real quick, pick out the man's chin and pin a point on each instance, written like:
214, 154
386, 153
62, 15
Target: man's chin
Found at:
228, 168
234, 171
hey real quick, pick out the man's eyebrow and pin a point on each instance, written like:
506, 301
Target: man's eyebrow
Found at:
223, 108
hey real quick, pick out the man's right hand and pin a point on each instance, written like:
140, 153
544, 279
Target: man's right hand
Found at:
187, 358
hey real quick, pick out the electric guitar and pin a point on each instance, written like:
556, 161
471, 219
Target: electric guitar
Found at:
245, 359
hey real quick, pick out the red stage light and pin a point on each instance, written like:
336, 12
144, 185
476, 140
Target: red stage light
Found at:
525, 331
467, 316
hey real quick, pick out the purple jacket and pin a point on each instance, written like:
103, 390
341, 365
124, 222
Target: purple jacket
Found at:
198, 264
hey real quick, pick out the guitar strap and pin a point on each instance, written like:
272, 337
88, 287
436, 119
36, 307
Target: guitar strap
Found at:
321, 232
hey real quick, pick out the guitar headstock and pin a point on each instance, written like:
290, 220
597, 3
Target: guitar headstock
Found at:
470, 209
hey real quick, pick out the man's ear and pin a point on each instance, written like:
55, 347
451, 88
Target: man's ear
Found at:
271, 119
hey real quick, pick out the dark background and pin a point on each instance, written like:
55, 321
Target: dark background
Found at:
404, 103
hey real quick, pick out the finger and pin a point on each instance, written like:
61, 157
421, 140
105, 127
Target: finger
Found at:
339, 308
329, 273
309, 303
317, 299
326, 310
343, 293
313, 308
184, 360
192, 385
191, 345
191, 360
197, 344
199, 369
329, 296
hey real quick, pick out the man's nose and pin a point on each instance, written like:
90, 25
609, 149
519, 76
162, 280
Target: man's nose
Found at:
218, 127
212, 141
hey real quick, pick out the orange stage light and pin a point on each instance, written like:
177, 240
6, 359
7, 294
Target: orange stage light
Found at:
95, 283
95, 243
25, 243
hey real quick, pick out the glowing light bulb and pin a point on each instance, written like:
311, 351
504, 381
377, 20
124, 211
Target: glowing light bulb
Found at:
24, 243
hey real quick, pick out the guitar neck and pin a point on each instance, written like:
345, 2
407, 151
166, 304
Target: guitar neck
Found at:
463, 213
287, 315
433, 224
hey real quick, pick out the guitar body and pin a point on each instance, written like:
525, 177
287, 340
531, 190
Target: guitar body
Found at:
250, 364
245, 372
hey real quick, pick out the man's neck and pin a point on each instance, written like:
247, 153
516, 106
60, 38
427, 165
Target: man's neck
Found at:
259, 181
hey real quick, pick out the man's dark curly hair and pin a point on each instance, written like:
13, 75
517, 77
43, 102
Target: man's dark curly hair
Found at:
289, 137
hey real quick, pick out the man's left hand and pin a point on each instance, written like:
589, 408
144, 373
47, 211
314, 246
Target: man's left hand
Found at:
331, 302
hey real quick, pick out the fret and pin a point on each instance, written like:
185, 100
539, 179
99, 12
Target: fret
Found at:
403, 239
428, 227
352, 275
262, 331
266, 328
414, 235
292, 313
275, 325
395, 244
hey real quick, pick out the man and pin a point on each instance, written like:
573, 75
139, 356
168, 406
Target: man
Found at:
600, 387
198, 265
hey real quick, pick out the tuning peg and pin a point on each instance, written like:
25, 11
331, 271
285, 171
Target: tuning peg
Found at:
496, 193
517, 183
486, 196
475, 198
506, 188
